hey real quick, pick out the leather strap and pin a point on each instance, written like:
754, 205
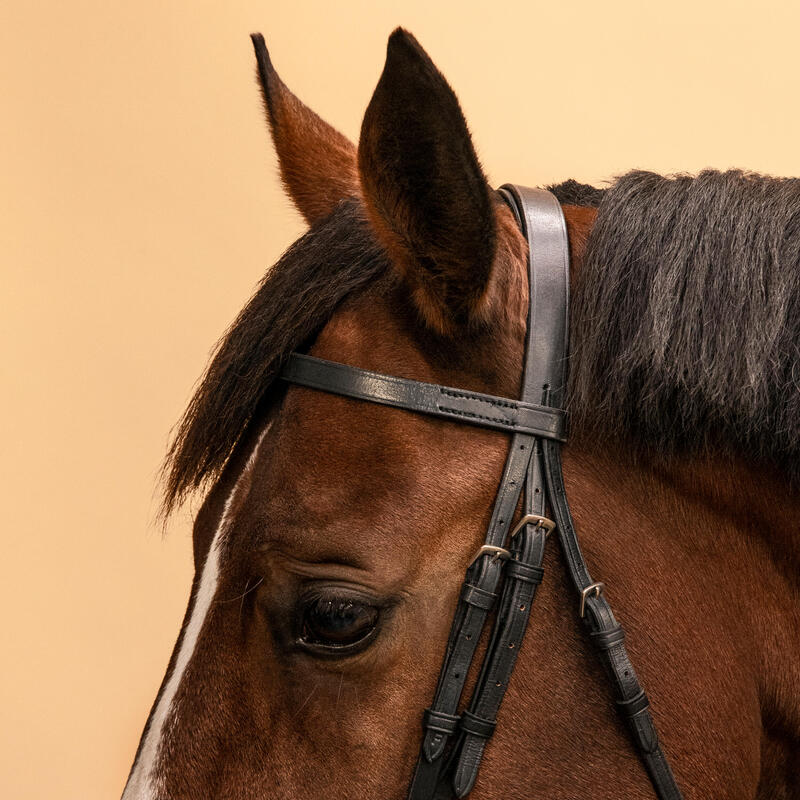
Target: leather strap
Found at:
606, 633
473, 408
485, 573
542, 222
523, 575
608, 636
548, 280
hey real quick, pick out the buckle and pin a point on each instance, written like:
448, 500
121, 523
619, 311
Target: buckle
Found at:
538, 520
596, 588
497, 553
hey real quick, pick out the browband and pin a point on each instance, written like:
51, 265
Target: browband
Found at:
503, 576
473, 408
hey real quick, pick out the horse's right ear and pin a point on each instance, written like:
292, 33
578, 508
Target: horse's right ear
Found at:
318, 164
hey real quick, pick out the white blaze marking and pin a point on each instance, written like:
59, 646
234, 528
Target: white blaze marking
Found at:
143, 782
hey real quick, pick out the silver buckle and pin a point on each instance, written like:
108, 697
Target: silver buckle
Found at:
534, 519
597, 589
497, 553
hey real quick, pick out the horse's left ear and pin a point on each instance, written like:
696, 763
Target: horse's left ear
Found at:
424, 189
318, 164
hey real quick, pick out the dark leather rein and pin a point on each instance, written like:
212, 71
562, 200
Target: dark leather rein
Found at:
505, 572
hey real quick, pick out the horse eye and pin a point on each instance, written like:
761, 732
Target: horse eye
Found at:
337, 624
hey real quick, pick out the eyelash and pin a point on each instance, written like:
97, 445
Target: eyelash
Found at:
335, 603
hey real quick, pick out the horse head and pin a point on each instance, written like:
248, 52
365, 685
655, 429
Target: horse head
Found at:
334, 536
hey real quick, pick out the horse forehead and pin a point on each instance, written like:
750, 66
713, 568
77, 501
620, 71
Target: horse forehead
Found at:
374, 332
336, 462
344, 481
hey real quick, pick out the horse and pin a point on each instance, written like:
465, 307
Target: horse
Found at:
334, 533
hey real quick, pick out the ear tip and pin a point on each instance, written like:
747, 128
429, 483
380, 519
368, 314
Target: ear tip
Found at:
268, 77
403, 42
262, 54
400, 34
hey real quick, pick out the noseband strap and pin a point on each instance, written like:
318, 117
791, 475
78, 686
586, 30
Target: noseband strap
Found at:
504, 575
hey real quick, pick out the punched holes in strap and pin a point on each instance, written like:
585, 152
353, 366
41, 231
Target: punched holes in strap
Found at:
477, 726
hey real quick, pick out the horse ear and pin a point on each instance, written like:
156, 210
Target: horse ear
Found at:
423, 187
318, 164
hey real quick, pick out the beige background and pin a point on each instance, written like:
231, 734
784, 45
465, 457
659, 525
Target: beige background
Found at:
140, 206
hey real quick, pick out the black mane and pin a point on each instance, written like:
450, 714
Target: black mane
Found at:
573, 193
685, 321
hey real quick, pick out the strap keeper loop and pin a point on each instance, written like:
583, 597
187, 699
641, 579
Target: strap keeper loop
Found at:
439, 721
527, 573
605, 640
477, 726
480, 598
634, 706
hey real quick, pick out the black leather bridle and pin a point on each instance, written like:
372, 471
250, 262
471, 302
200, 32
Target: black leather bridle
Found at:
505, 572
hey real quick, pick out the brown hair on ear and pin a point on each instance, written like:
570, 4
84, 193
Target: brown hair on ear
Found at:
424, 190
317, 163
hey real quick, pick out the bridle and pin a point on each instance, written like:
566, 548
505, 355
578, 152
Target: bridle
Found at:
453, 743
505, 572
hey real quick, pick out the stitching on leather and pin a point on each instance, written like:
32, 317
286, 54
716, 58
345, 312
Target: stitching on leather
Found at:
511, 423
461, 396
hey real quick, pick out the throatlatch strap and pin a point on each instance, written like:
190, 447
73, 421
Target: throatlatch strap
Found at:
608, 636
604, 630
